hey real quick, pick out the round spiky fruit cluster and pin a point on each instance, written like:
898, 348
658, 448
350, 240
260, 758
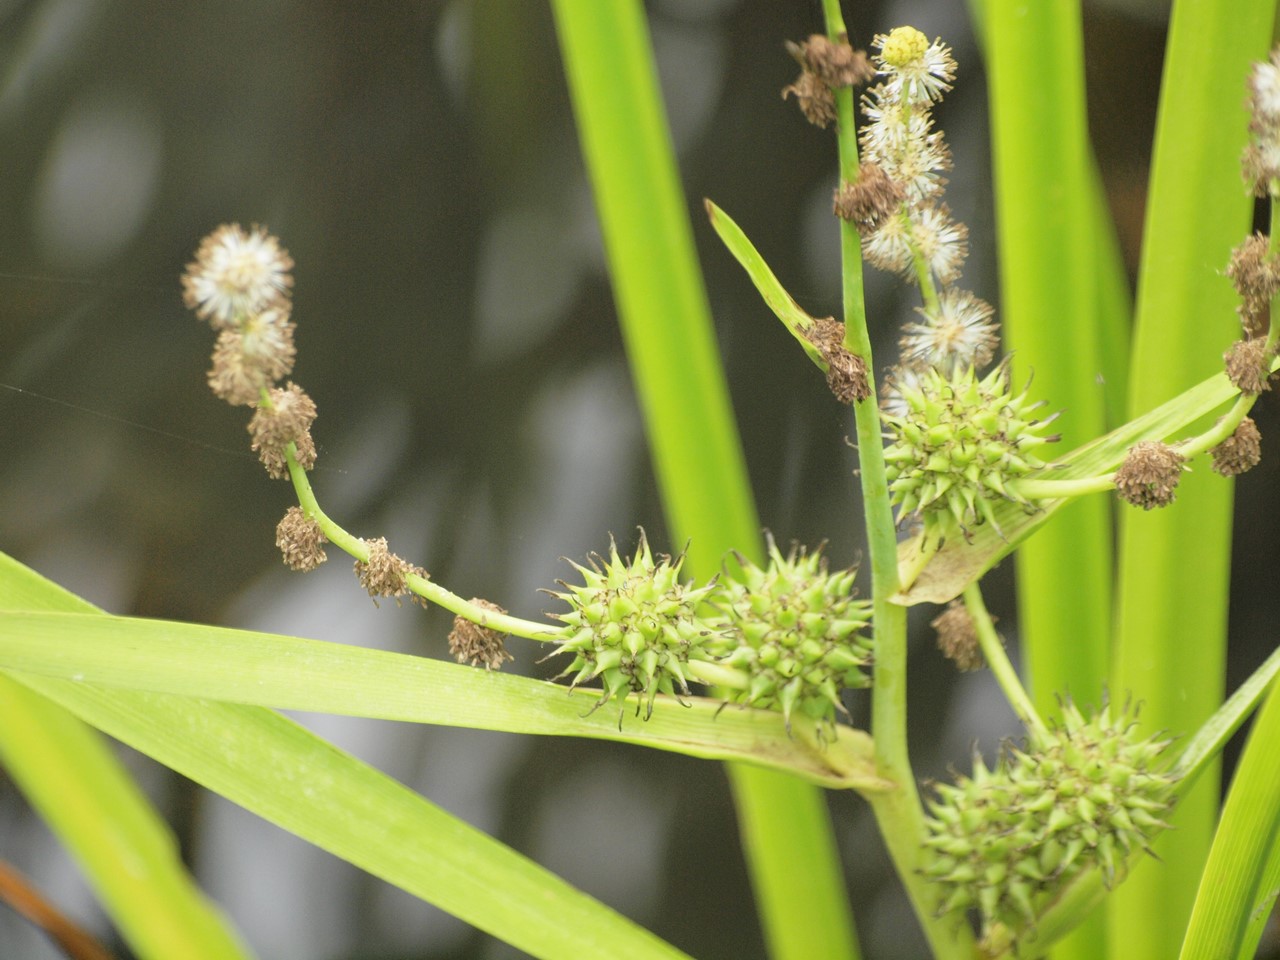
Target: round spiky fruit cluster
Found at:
959, 445
633, 625
794, 629
1004, 840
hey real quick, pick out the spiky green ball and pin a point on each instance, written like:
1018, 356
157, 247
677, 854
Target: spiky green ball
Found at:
959, 445
794, 629
633, 625
1004, 840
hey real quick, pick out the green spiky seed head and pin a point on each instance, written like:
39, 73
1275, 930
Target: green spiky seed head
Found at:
1004, 840
633, 625
959, 445
795, 629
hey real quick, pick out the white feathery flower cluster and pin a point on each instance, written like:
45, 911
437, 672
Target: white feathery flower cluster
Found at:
1261, 162
922, 241
240, 283
958, 334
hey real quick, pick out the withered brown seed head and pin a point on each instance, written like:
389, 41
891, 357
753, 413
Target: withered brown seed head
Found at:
1258, 166
817, 103
1255, 315
1149, 475
384, 573
289, 416
1239, 452
835, 64
957, 638
475, 643
846, 371
245, 361
300, 540
1247, 365
1254, 271
868, 201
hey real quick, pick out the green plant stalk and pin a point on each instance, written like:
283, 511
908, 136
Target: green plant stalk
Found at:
1048, 218
1173, 569
1232, 888
355, 547
667, 329
998, 662
899, 813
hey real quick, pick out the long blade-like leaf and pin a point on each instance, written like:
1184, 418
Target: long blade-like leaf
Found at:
293, 778
241, 666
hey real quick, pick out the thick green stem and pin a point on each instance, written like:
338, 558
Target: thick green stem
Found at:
899, 812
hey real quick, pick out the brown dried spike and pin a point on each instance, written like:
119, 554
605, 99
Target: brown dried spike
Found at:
957, 637
475, 643
1254, 270
1239, 452
383, 574
869, 200
1246, 365
1149, 475
300, 540
846, 371
816, 101
835, 64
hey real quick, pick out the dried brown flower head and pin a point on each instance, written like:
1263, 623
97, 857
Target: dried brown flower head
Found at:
846, 371
869, 200
815, 98
1150, 474
300, 540
1239, 452
1247, 365
476, 643
383, 575
957, 637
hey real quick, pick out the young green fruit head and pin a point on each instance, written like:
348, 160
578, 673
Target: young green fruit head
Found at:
958, 445
1003, 841
633, 625
795, 630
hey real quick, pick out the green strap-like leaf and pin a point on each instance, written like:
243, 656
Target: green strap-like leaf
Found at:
277, 769
1234, 888
73, 780
262, 669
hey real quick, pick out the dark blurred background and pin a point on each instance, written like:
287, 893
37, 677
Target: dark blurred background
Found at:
456, 329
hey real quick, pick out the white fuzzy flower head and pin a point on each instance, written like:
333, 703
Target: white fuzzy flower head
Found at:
237, 274
942, 242
1264, 90
959, 334
919, 72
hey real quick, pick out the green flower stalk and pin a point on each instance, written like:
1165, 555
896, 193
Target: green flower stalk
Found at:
795, 630
957, 445
1085, 794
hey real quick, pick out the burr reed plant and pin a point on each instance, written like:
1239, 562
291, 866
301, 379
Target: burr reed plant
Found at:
746, 651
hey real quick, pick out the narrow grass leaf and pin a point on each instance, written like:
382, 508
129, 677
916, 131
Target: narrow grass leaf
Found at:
1173, 569
72, 779
293, 778
1233, 887
666, 323
242, 666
